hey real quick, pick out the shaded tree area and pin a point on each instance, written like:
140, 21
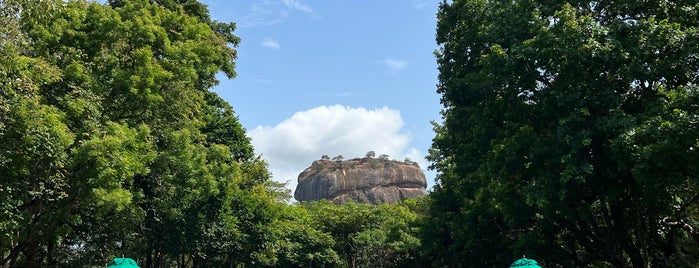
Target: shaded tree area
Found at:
569, 134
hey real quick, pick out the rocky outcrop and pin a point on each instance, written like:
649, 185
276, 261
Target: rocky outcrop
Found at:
364, 180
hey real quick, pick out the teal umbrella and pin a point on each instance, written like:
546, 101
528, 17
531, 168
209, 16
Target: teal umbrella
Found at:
122, 263
525, 263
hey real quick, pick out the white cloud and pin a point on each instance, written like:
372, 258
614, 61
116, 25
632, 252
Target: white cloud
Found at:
394, 65
264, 13
298, 5
270, 43
292, 145
270, 12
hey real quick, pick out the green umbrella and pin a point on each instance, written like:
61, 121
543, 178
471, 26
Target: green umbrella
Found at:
525, 263
122, 263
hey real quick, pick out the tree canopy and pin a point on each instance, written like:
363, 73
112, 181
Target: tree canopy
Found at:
569, 134
111, 142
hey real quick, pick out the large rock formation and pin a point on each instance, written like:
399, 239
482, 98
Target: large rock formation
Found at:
364, 180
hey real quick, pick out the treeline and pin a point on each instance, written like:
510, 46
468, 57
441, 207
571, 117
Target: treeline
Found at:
569, 135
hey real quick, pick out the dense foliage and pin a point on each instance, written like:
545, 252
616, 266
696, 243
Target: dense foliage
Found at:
112, 144
570, 134
365, 235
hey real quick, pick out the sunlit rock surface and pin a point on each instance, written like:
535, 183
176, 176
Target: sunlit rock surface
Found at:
364, 180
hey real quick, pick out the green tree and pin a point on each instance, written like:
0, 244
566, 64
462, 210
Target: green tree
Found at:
221, 126
33, 161
566, 134
370, 154
372, 236
394, 241
54, 166
300, 242
111, 142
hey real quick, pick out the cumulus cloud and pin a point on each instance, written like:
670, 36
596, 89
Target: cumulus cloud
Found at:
270, 43
291, 146
394, 65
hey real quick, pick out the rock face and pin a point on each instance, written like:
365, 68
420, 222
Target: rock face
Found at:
364, 180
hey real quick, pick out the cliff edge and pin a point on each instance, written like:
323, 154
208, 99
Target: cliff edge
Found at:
364, 180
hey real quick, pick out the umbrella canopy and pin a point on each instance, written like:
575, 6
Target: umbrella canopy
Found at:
122, 263
525, 263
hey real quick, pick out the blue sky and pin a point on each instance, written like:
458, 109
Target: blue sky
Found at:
333, 77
